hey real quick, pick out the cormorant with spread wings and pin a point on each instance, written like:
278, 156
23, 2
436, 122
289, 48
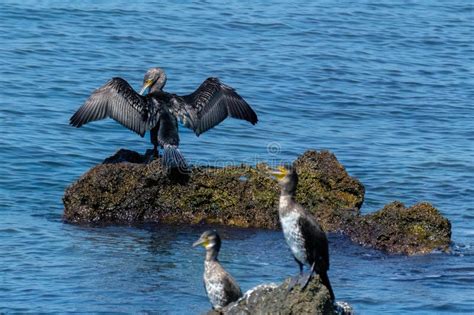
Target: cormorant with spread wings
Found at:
159, 111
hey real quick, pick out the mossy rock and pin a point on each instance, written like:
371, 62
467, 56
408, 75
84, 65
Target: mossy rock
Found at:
395, 228
127, 189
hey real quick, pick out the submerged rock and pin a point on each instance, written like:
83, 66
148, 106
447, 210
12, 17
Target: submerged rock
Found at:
128, 189
274, 299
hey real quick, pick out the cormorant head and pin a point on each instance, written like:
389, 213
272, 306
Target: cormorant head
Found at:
286, 177
209, 240
155, 79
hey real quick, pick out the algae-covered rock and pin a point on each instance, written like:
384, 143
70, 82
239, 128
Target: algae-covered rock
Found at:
129, 189
415, 230
273, 299
126, 189
327, 190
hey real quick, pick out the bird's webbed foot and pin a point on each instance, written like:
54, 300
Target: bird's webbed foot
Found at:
304, 280
293, 281
151, 155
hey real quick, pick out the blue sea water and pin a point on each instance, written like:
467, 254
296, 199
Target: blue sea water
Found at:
387, 86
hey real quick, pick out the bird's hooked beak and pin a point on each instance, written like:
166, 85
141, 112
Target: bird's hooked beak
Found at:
201, 241
279, 173
145, 86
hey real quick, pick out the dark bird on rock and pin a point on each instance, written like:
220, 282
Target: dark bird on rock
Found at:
220, 287
159, 111
303, 234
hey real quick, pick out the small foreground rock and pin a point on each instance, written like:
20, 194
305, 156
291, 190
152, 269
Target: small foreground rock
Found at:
274, 299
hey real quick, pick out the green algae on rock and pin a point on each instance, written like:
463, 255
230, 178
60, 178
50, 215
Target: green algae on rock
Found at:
418, 229
125, 189
327, 190
128, 189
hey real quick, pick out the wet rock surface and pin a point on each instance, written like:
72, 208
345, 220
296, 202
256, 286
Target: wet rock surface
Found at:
129, 188
275, 299
126, 189
419, 229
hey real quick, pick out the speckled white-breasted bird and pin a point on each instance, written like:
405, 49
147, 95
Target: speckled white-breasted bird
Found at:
303, 234
221, 287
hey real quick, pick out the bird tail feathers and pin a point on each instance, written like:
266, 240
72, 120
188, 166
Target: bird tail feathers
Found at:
325, 280
172, 158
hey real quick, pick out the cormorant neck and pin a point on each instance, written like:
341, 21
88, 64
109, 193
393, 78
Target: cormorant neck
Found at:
156, 88
159, 84
289, 193
286, 202
211, 254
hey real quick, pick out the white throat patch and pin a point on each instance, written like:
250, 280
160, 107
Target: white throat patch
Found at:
284, 201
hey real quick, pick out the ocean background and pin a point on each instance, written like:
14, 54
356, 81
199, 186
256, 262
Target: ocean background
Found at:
387, 86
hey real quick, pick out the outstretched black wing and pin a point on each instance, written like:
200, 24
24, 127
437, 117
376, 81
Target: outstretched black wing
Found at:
210, 104
117, 99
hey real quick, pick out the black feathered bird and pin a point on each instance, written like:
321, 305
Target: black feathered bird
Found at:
302, 232
220, 286
159, 111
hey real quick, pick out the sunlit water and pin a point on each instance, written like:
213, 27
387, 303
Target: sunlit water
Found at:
388, 87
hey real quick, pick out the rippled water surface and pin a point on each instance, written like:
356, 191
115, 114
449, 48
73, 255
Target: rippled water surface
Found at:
386, 86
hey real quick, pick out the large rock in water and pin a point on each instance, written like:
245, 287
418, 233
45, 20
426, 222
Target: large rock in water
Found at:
126, 189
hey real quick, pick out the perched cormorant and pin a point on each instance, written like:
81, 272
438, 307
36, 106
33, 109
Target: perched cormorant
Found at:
220, 287
303, 234
158, 111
